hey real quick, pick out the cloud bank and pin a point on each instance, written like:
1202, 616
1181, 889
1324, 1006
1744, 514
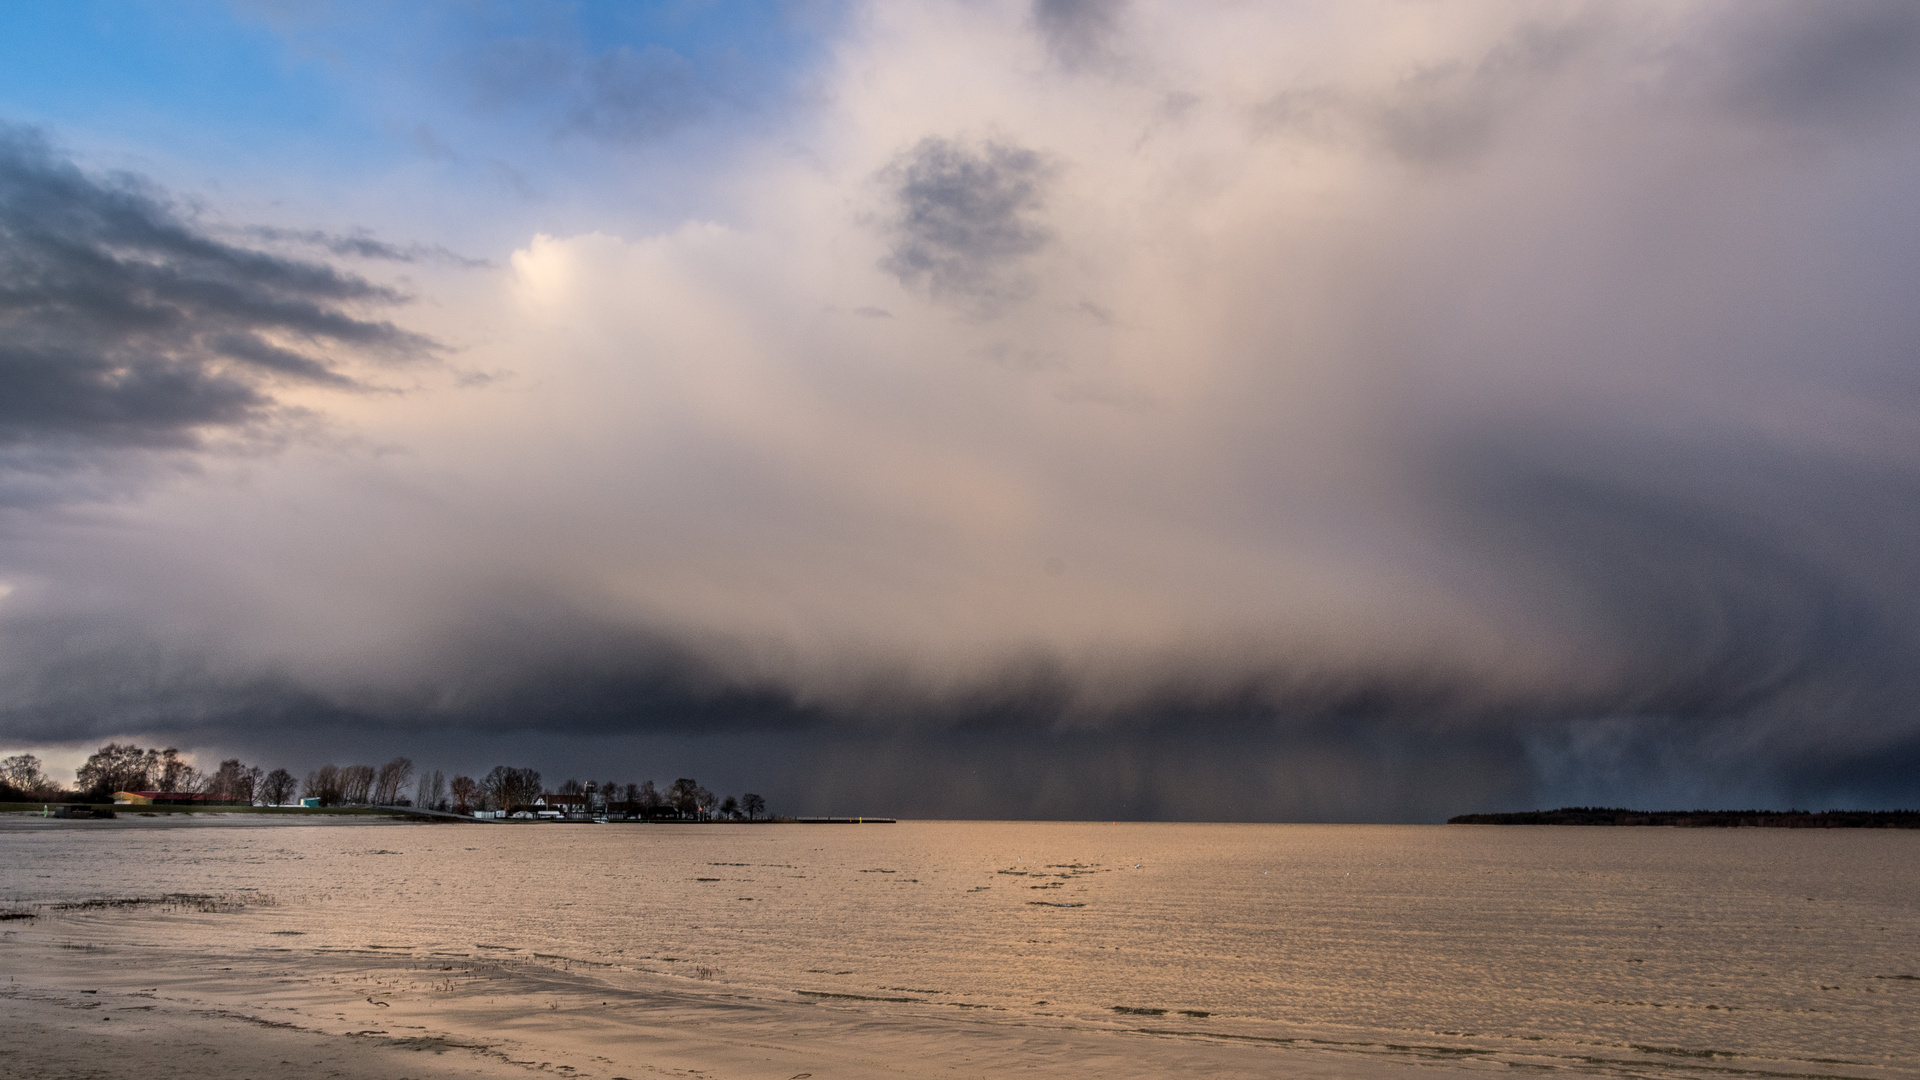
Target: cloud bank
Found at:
1277, 411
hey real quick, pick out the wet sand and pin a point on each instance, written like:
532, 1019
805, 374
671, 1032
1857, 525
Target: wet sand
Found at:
966, 949
70, 1011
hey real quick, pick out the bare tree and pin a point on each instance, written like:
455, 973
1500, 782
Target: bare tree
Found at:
729, 807
507, 788
689, 798
753, 805
432, 791
466, 794
169, 773
277, 788
20, 777
392, 777
324, 784
233, 781
680, 796
114, 767
356, 784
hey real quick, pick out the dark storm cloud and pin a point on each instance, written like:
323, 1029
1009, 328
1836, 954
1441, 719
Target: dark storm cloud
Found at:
1725, 584
967, 216
125, 326
1078, 33
1534, 425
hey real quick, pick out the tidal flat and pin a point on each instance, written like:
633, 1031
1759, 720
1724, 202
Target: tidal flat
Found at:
963, 948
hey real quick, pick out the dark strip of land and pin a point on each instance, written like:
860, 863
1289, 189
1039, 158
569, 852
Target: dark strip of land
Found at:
1703, 819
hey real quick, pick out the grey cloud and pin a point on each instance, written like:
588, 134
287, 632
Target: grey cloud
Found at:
125, 326
1723, 586
1629, 429
506, 74
1079, 33
1451, 112
634, 96
623, 95
1846, 61
360, 245
1302, 746
967, 216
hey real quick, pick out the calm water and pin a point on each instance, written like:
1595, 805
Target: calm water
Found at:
1678, 951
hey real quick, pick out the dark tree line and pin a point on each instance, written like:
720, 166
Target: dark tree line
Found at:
125, 767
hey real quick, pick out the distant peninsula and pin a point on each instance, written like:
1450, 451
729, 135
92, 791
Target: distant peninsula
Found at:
1703, 819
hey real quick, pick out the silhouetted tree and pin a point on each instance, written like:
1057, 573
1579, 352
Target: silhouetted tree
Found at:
323, 784
277, 789
647, 798
392, 778
507, 788
466, 794
114, 767
356, 784
233, 781
753, 805
684, 796
432, 792
21, 778
169, 773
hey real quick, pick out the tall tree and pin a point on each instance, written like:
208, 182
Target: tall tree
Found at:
684, 796
729, 807
232, 781
168, 772
21, 775
356, 784
114, 767
432, 790
278, 788
508, 788
753, 804
466, 794
392, 777
323, 784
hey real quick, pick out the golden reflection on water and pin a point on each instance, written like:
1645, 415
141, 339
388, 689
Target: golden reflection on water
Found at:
1692, 949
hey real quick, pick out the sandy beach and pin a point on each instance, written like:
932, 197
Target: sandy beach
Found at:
223, 947
69, 1011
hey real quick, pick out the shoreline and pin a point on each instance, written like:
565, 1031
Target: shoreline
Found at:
85, 1009
1700, 819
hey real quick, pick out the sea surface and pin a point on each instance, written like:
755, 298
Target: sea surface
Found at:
1614, 950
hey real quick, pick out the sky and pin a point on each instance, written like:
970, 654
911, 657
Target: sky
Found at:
1216, 410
